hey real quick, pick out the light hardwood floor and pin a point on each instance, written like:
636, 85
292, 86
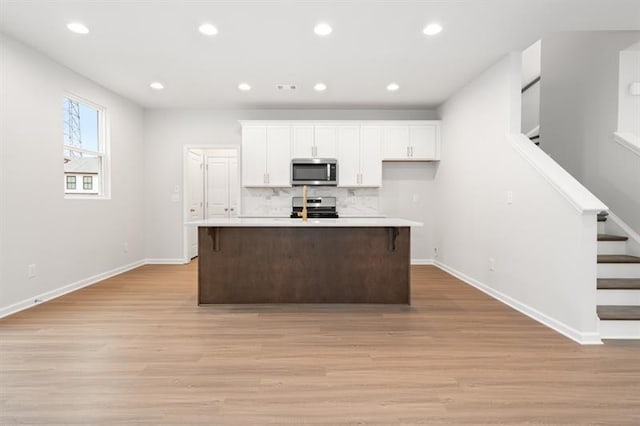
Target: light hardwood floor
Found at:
136, 349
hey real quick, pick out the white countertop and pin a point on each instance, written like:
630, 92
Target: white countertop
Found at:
313, 223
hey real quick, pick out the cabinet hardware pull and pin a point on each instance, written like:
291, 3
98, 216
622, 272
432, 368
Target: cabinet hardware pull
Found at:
408, 155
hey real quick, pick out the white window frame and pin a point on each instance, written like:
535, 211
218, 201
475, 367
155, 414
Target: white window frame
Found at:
104, 152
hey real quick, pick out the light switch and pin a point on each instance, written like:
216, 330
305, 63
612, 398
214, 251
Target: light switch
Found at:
176, 188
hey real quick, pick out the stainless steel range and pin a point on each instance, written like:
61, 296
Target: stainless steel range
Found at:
317, 207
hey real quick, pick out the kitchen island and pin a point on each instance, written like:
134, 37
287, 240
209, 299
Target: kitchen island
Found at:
280, 260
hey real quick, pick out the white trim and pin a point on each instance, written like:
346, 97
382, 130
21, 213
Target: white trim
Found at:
629, 141
611, 329
626, 228
560, 327
52, 294
336, 122
422, 261
533, 132
572, 190
163, 261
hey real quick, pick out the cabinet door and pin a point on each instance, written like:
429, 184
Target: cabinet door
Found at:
303, 146
423, 141
278, 156
326, 138
348, 155
395, 142
254, 155
371, 156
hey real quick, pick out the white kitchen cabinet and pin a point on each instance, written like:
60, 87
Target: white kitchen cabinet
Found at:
359, 156
326, 138
254, 156
371, 156
349, 156
411, 142
266, 156
221, 190
303, 142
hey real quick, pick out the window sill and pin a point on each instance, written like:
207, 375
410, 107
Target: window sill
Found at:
85, 197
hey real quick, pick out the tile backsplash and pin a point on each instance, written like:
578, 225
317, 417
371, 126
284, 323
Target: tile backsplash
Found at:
277, 201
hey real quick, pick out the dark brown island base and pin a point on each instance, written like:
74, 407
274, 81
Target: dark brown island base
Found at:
303, 264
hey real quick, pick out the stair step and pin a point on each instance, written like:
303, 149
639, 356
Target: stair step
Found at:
617, 258
618, 283
609, 237
619, 313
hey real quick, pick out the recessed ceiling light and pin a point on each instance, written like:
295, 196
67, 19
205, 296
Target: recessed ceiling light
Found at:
156, 85
432, 29
208, 29
392, 87
320, 87
245, 87
78, 28
323, 29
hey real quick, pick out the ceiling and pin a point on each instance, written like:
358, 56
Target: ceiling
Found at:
264, 43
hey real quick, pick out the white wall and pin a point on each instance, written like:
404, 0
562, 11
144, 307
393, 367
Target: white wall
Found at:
579, 114
531, 98
543, 249
69, 241
629, 105
168, 131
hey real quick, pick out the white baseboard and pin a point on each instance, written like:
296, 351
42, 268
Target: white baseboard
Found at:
560, 327
165, 261
422, 261
52, 294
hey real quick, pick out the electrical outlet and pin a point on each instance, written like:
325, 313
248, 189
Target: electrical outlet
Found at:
416, 198
175, 198
125, 247
509, 197
31, 271
492, 264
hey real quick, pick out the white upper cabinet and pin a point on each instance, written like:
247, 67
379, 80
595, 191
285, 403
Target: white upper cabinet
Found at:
303, 142
254, 155
395, 142
411, 142
359, 156
370, 156
326, 138
349, 156
359, 146
266, 156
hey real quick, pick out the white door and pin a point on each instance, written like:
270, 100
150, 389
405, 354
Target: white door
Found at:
395, 142
423, 142
254, 155
371, 156
196, 198
217, 187
233, 188
348, 156
279, 156
303, 146
326, 138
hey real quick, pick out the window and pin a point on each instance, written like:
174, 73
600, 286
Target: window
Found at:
85, 148
87, 182
71, 182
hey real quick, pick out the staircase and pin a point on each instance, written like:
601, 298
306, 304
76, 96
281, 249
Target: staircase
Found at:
618, 292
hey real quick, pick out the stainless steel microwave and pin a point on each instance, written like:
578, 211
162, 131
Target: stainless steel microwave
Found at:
314, 172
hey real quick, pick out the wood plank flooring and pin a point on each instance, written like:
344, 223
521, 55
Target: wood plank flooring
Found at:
135, 349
